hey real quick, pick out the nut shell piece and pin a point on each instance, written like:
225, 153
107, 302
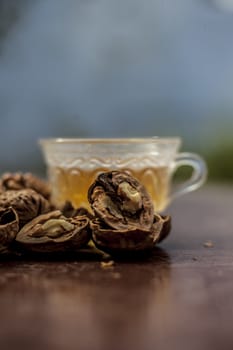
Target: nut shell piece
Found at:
9, 227
52, 232
19, 181
121, 201
125, 219
130, 239
27, 203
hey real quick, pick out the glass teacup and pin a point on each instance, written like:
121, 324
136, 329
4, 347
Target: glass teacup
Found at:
73, 164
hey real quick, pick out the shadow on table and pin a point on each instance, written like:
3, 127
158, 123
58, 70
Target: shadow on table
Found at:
90, 253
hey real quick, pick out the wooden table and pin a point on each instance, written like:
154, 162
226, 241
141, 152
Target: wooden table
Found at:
179, 298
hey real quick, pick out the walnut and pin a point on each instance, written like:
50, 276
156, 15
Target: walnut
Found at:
27, 203
121, 201
125, 219
52, 232
9, 227
20, 181
129, 239
165, 229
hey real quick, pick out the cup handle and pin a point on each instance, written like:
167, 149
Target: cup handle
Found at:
198, 176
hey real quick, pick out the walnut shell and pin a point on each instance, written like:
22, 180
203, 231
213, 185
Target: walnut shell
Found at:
9, 227
121, 201
129, 239
27, 203
52, 232
165, 229
20, 181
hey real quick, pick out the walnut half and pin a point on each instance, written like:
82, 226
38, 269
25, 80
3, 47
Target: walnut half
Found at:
9, 227
121, 201
52, 232
125, 218
130, 239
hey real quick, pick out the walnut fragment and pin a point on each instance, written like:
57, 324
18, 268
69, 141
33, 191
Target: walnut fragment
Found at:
208, 244
52, 232
27, 203
121, 201
129, 239
165, 229
9, 227
125, 219
20, 181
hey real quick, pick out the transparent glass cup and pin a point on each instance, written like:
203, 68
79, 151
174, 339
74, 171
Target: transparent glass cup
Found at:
73, 164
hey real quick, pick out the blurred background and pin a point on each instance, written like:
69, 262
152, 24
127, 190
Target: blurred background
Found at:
103, 68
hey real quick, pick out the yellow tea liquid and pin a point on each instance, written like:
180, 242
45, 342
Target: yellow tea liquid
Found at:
72, 184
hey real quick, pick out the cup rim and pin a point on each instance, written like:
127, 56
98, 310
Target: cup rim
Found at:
126, 140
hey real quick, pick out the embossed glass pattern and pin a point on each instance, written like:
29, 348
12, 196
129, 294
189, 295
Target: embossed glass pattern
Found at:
73, 164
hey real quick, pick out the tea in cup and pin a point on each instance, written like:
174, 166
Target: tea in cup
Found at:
73, 165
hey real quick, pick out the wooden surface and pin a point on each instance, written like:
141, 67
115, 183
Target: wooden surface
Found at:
179, 298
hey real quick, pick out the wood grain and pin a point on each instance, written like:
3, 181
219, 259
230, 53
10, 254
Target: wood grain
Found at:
181, 297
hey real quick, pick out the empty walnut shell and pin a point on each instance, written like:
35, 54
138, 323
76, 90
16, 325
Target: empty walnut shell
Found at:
20, 181
121, 201
27, 203
9, 227
52, 232
129, 239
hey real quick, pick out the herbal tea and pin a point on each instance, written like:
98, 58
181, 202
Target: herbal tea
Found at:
72, 184
73, 165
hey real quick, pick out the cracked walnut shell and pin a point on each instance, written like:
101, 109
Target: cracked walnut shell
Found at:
27, 203
130, 239
9, 227
121, 201
20, 181
125, 219
52, 232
